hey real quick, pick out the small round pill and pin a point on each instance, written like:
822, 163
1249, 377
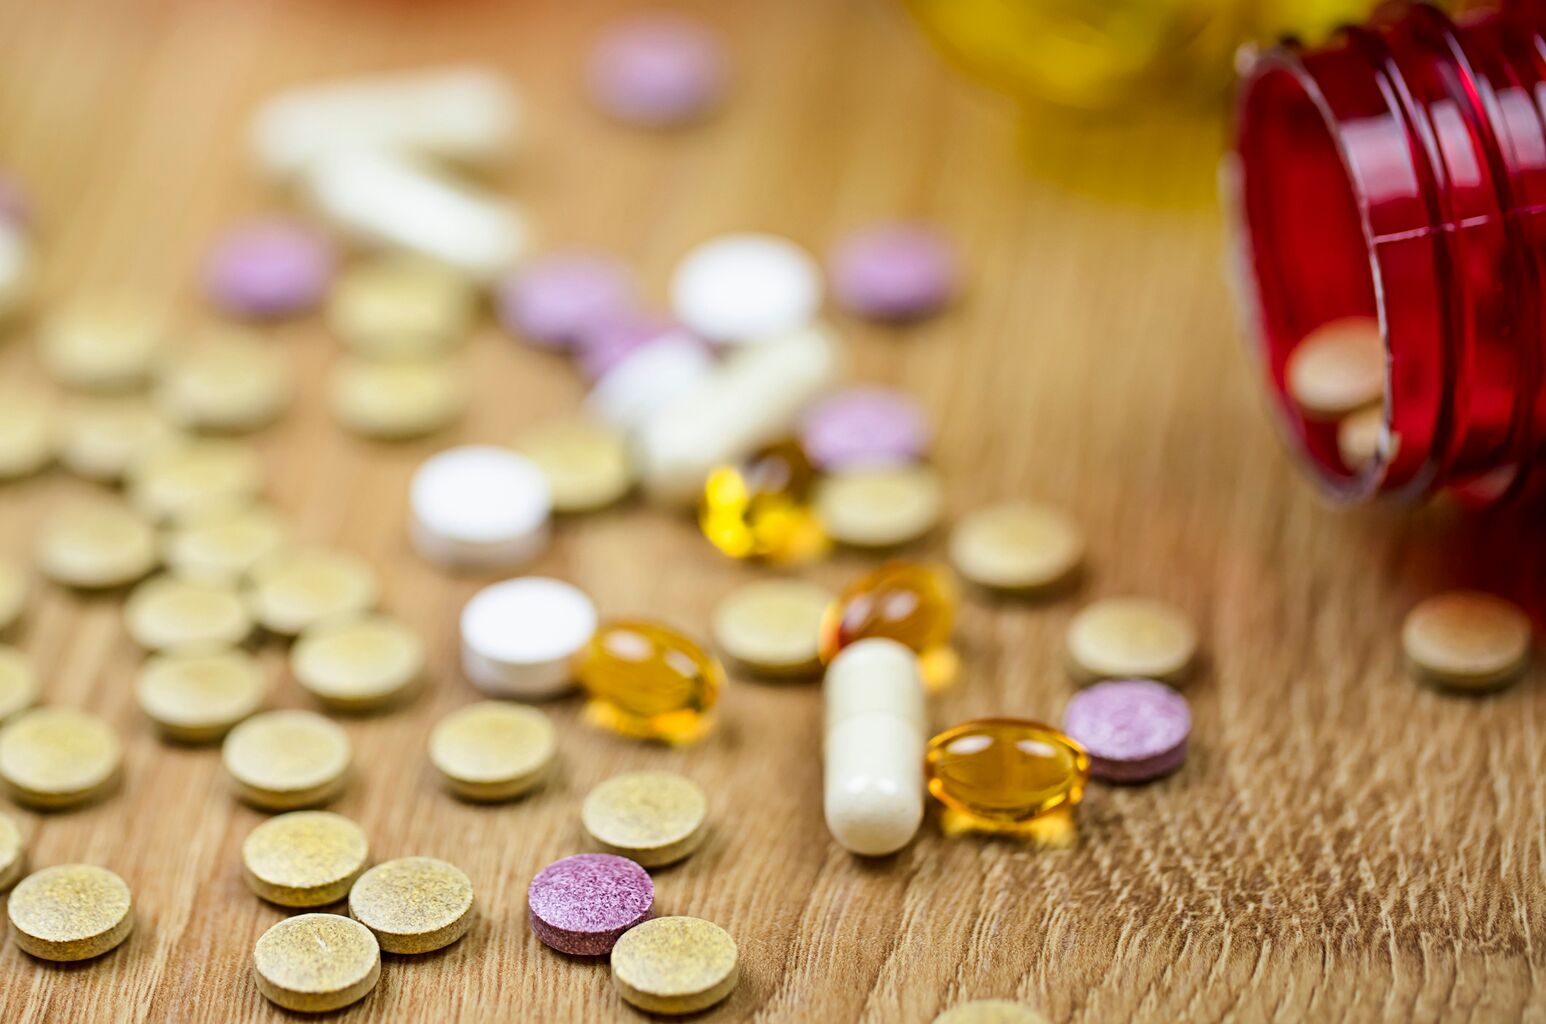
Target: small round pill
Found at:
396, 400
1361, 436
493, 751
990, 1011
1131, 638
95, 545
520, 638
230, 383
555, 300
1338, 368
167, 613
101, 437
71, 912
199, 696
29, 433
653, 818
269, 268
1018, 547
285, 760
104, 343
184, 479
480, 506
413, 904
397, 307
13, 852
18, 683
657, 70
880, 506
13, 593
304, 858
675, 965
864, 426
55, 757
896, 271
1133, 729
746, 287
360, 663
313, 963
773, 627
581, 904
606, 344
1466, 639
298, 588
224, 543
586, 463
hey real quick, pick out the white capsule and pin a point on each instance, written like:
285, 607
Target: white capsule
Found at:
746, 287
862, 680
467, 114
649, 380
520, 637
480, 506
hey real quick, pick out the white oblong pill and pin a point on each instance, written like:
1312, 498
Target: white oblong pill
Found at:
649, 380
520, 637
746, 287
874, 784
481, 506
874, 676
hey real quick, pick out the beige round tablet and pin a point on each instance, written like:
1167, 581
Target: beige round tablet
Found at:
304, 858
396, 400
223, 544
108, 342
1131, 637
413, 904
773, 627
586, 463
198, 696
314, 963
13, 593
301, 587
653, 818
990, 1011
71, 912
492, 750
235, 381
1018, 547
1466, 639
29, 432
1338, 368
880, 506
1360, 435
97, 544
13, 852
359, 663
401, 306
675, 965
168, 613
186, 479
56, 757
100, 438
284, 760
18, 683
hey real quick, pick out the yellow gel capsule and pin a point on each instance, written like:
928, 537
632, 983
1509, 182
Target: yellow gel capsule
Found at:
910, 603
762, 508
1001, 774
649, 681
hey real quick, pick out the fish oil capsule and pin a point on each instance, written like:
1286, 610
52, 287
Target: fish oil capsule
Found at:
97, 545
231, 383
873, 750
520, 638
104, 343
586, 464
413, 904
99, 438
313, 963
880, 506
1338, 368
28, 433
493, 751
396, 306
304, 858
199, 696
652, 818
358, 664
167, 613
55, 757
71, 912
761, 507
649, 681
999, 774
479, 506
773, 627
13, 852
1131, 638
223, 544
18, 683
301, 587
285, 760
396, 400
13, 594
675, 965
904, 601
185, 479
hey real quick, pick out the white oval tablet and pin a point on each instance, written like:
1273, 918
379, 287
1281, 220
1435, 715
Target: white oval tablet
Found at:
650, 380
746, 287
480, 505
520, 637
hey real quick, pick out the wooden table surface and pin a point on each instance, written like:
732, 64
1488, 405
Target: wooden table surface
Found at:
1342, 844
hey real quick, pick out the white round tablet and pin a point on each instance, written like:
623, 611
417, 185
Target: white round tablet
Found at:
520, 637
480, 506
746, 287
650, 380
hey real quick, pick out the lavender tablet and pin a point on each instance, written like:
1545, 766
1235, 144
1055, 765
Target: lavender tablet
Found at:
556, 300
864, 426
267, 269
1134, 729
657, 70
896, 271
583, 904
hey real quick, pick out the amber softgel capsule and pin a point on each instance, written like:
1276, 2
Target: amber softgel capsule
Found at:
1002, 774
647, 680
908, 602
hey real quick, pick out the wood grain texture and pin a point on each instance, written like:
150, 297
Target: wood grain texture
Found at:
1341, 844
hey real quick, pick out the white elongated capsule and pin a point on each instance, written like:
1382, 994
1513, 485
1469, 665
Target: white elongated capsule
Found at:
753, 398
393, 201
874, 747
467, 114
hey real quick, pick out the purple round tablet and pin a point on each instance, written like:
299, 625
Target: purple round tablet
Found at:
583, 904
269, 268
864, 426
657, 69
1134, 729
554, 300
897, 271
609, 343
15, 207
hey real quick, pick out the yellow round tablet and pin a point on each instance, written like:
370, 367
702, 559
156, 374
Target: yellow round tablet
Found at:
18, 683
71, 912
880, 506
586, 463
29, 432
167, 613
653, 818
304, 858
1018, 547
301, 587
358, 663
990, 1011
223, 544
235, 381
1131, 637
285, 760
185, 479
413, 904
396, 400
56, 757
1467, 639
13, 593
1338, 368
399, 306
493, 750
13, 852
314, 963
100, 438
108, 342
199, 696
675, 965
97, 544
773, 627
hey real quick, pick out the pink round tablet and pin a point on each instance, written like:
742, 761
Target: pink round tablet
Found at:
269, 268
896, 271
1134, 729
657, 69
864, 426
610, 342
583, 904
556, 299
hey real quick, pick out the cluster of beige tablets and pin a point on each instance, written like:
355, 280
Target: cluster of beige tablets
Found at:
1337, 374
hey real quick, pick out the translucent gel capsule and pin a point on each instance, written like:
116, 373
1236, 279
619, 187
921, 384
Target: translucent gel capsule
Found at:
761, 508
1006, 775
912, 604
649, 681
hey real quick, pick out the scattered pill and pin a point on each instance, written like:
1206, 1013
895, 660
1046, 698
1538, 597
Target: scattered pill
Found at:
880, 506
493, 751
675, 965
97, 544
649, 681
71, 912
555, 300
910, 603
358, 664
397, 307
199, 696
223, 544
990, 1011
864, 426
184, 479
898, 271
1361, 437
606, 344
413, 904
13, 852
480, 506
746, 288
57, 757
1131, 638
100, 437
168, 613
657, 70
304, 858
1018, 547
762, 507
520, 637
1134, 730
1003, 773
18, 271
13, 594
396, 400
582, 904
298, 588
773, 627
267, 269
18, 683
586, 464
285, 760
107, 342
229, 383
313, 963
1338, 368
1466, 639
653, 818
650, 379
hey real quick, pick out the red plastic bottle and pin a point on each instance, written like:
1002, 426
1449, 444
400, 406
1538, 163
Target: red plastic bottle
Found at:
1399, 172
